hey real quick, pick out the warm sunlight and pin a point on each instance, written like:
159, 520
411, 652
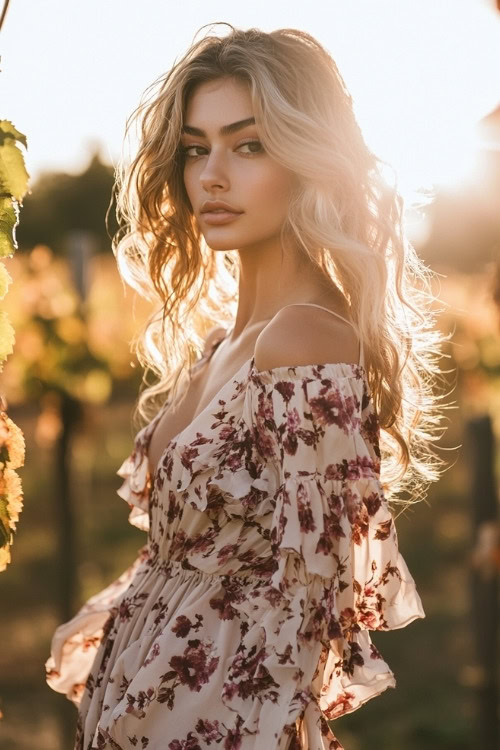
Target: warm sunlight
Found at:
429, 76
250, 355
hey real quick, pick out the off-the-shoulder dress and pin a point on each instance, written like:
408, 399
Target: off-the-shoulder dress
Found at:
271, 553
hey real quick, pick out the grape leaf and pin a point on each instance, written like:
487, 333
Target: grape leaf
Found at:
7, 130
5, 532
9, 214
13, 174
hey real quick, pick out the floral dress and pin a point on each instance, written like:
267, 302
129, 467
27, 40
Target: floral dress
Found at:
271, 553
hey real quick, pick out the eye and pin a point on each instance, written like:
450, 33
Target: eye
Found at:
258, 150
186, 149
255, 147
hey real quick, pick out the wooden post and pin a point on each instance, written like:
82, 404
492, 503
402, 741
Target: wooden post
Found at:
80, 246
484, 577
70, 412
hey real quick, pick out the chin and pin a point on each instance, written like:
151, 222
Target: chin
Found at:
229, 243
221, 247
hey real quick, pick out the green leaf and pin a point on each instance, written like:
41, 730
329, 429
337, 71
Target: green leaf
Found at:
13, 175
9, 215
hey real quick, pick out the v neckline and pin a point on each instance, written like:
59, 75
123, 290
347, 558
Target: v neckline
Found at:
152, 425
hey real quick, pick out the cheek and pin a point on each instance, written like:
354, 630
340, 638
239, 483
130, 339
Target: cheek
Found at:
189, 183
269, 182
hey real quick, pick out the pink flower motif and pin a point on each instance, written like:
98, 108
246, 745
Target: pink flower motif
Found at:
369, 620
154, 653
197, 663
293, 420
233, 462
209, 730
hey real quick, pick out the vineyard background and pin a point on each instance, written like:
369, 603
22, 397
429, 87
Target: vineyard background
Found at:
74, 320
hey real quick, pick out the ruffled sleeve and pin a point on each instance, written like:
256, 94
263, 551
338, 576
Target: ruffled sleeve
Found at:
335, 573
136, 487
75, 643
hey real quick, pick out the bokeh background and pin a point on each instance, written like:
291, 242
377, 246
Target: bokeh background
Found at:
425, 79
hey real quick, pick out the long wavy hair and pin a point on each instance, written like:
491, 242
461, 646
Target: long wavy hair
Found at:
345, 216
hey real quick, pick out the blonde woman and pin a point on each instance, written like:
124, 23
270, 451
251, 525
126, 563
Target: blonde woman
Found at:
292, 351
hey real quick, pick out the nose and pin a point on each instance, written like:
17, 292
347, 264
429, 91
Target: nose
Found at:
214, 173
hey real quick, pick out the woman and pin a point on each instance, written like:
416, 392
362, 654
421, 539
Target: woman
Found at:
258, 220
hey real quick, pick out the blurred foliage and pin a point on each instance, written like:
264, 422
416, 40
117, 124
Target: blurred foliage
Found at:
60, 203
66, 344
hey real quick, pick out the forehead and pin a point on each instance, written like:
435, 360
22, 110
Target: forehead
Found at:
220, 101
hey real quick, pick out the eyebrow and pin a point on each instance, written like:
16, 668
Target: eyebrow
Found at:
224, 130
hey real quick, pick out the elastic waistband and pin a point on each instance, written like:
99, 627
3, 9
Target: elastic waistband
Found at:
176, 567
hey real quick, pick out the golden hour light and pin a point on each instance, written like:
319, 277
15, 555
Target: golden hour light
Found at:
250, 355
429, 77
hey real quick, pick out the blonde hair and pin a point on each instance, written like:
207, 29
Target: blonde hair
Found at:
344, 217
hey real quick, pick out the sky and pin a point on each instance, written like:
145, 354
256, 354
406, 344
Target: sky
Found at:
421, 74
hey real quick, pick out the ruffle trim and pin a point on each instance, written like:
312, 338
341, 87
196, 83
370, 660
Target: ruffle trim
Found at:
136, 488
225, 472
75, 643
239, 492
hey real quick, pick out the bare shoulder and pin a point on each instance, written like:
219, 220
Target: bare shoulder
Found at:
305, 335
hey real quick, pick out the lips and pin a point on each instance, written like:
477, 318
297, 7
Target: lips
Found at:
220, 217
215, 207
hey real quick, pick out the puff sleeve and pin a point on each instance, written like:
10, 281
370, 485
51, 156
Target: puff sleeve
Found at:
335, 573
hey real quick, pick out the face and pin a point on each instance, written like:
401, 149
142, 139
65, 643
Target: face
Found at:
229, 165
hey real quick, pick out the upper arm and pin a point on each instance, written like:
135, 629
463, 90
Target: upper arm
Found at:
305, 336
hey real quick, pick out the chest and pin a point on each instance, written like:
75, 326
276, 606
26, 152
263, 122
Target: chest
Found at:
206, 384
